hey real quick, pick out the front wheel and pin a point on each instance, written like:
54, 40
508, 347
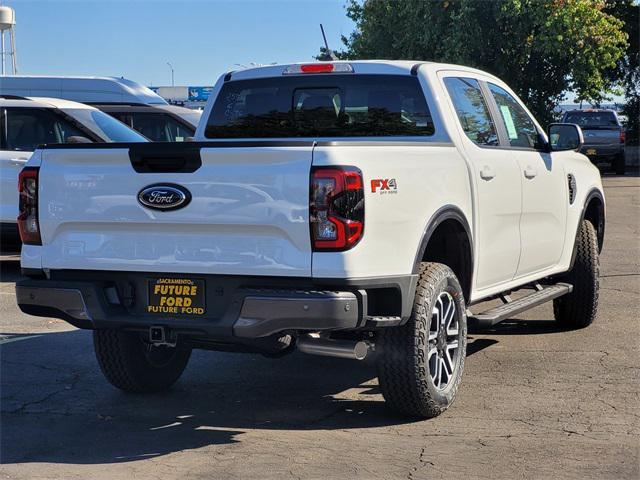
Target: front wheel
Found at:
578, 309
421, 362
134, 365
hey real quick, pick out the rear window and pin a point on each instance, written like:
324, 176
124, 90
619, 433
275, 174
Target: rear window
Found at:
592, 119
321, 106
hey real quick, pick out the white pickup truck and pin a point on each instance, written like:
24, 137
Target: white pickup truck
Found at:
339, 208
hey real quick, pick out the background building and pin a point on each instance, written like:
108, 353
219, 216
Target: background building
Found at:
191, 97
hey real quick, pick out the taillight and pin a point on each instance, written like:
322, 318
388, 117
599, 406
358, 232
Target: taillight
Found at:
336, 208
28, 217
622, 136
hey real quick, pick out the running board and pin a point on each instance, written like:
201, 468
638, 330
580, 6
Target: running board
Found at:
513, 307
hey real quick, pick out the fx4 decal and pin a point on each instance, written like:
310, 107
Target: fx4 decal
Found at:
384, 185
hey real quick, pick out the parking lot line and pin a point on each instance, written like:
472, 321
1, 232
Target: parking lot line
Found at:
15, 338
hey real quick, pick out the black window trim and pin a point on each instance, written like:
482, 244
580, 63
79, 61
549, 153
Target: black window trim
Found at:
503, 138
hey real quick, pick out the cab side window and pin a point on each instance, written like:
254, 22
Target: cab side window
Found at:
472, 110
29, 127
521, 131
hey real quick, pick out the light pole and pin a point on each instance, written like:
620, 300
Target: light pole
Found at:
171, 67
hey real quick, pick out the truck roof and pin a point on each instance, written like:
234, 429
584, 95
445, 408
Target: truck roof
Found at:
80, 89
389, 67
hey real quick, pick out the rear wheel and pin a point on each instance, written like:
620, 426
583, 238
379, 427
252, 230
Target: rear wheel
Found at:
421, 362
578, 309
134, 365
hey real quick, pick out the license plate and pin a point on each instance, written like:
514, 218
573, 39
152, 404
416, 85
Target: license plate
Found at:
176, 296
591, 151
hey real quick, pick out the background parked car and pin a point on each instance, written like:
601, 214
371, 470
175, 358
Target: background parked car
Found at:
604, 136
128, 101
159, 123
26, 123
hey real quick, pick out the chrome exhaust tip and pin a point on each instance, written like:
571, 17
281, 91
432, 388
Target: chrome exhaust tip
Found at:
355, 350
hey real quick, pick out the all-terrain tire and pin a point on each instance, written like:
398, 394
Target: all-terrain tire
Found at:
578, 309
133, 365
619, 164
404, 363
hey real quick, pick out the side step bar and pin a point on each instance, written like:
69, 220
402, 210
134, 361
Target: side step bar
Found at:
513, 307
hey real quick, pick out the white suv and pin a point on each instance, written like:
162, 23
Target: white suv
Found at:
337, 208
26, 123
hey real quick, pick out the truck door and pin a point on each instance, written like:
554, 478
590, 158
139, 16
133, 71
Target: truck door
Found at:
496, 176
544, 187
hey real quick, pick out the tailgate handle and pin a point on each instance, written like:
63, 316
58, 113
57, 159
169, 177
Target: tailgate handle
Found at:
165, 157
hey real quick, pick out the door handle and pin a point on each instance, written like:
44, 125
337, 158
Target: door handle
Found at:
487, 173
530, 172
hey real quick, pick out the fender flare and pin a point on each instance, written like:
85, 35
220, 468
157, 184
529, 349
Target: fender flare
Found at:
593, 193
447, 212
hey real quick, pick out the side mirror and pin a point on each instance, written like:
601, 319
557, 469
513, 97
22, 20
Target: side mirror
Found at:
78, 139
565, 136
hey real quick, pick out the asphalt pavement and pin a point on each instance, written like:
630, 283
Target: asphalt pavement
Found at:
535, 401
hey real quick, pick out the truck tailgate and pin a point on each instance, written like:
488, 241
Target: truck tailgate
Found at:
601, 136
248, 215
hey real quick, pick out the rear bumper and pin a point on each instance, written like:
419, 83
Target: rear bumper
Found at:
237, 308
601, 151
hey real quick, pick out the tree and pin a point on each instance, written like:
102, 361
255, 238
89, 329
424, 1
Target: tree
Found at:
541, 48
627, 69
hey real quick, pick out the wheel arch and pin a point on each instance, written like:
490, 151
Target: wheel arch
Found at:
593, 210
446, 224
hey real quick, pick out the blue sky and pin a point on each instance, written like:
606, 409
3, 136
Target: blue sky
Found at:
202, 39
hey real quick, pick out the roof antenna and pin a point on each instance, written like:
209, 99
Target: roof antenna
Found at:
332, 56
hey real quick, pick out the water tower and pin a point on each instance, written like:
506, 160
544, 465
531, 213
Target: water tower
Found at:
8, 25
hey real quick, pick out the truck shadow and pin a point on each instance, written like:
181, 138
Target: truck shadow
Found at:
521, 327
57, 407
9, 270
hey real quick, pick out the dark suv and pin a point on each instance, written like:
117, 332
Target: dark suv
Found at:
159, 123
603, 136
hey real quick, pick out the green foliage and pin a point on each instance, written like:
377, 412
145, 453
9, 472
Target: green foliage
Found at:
627, 69
325, 55
541, 48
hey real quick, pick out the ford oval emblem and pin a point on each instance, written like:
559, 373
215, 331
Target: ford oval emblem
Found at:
164, 196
